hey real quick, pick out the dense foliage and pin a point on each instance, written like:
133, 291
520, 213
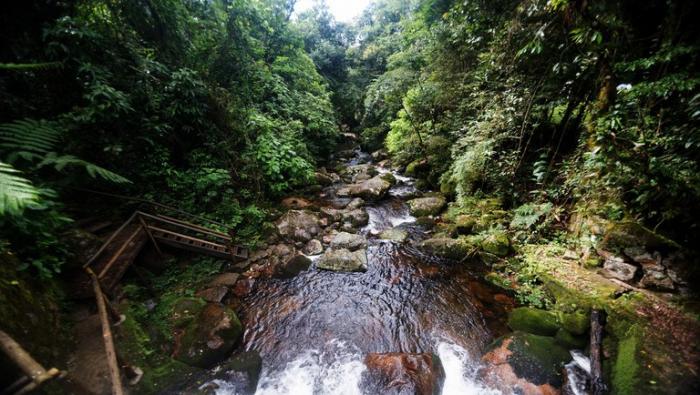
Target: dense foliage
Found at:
593, 102
212, 106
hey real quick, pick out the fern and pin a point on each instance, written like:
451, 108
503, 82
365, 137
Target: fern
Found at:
28, 139
16, 192
59, 163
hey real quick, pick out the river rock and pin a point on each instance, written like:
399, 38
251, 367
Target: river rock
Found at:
313, 247
293, 266
210, 338
214, 294
464, 224
240, 373
615, 267
531, 320
497, 244
349, 241
225, 279
355, 204
332, 214
394, 234
657, 280
449, 248
343, 260
357, 217
326, 179
524, 363
357, 173
298, 225
403, 373
296, 203
429, 205
373, 189
379, 155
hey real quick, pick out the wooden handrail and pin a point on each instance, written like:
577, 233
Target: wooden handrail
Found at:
109, 240
186, 225
215, 245
28, 365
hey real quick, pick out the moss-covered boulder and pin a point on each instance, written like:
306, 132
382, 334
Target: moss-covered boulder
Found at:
394, 234
497, 243
211, 337
185, 310
241, 373
535, 321
388, 177
570, 341
525, 363
629, 234
429, 205
446, 247
417, 167
343, 260
464, 224
576, 323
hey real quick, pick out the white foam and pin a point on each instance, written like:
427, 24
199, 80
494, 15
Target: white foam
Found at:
460, 372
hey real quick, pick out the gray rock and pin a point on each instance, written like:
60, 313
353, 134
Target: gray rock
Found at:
656, 279
615, 267
214, 294
225, 279
357, 217
373, 189
299, 225
429, 205
394, 234
355, 204
313, 247
293, 266
348, 241
332, 214
343, 260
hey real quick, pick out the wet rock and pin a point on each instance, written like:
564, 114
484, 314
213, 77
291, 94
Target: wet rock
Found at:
570, 341
348, 241
214, 294
424, 206
417, 167
185, 310
373, 189
531, 320
298, 225
497, 243
343, 260
326, 179
313, 247
242, 288
357, 218
357, 173
225, 279
456, 249
379, 155
240, 373
293, 266
524, 363
394, 234
388, 177
296, 203
210, 338
403, 373
615, 267
355, 204
332, 214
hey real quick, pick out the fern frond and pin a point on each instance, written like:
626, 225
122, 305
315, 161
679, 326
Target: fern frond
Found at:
61, 162
28, 136
30, 66
16, 192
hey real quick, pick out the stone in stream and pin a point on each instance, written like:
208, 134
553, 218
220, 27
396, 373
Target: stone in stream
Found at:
293, 266
373, 189
240, 373
357, 217
355, 203
349, 241
446, 247
429, 205
313, 247
524, 363
394, 234
210, 338
343, 260
299, 225
403, 373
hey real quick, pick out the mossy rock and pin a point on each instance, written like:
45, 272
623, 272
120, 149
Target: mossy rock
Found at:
388, 177
536, 359
418, 166
428, 205
185, 310
497, 244
628, 234
211, 337
625, 370
576, 323
241, 372
464, 224
535, 321
446, 247
570, 341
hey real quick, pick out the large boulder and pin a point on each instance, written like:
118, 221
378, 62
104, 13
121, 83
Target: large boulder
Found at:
343, 260
210, 338
429, 205
373, 189
394, 234
524, 363
293, 266
313, 247
299, 225
403, 373
446, 247
531, 320
348, 241
616, 267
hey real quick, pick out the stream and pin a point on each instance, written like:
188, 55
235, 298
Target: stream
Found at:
314, 330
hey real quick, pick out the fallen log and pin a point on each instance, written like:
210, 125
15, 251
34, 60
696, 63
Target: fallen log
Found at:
597, 324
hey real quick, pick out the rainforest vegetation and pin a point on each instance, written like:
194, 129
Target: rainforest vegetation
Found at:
541, 120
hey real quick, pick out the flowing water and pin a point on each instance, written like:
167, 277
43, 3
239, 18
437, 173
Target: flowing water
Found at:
314, 330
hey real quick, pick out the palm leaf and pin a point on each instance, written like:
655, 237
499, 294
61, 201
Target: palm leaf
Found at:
16, 192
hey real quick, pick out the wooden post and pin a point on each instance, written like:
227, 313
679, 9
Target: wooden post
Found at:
24, 361
119, 252
150, 235
598, 385
109, 240
114, 372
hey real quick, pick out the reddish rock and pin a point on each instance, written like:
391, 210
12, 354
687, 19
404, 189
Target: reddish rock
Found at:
296, 203
243, 287
403, 373
213, 294
225, 279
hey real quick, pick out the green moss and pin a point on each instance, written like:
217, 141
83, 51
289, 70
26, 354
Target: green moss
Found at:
535, 321
570, 341
496, 243
576, 323
625, 373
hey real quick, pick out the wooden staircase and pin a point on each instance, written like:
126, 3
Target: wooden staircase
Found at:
119, 251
